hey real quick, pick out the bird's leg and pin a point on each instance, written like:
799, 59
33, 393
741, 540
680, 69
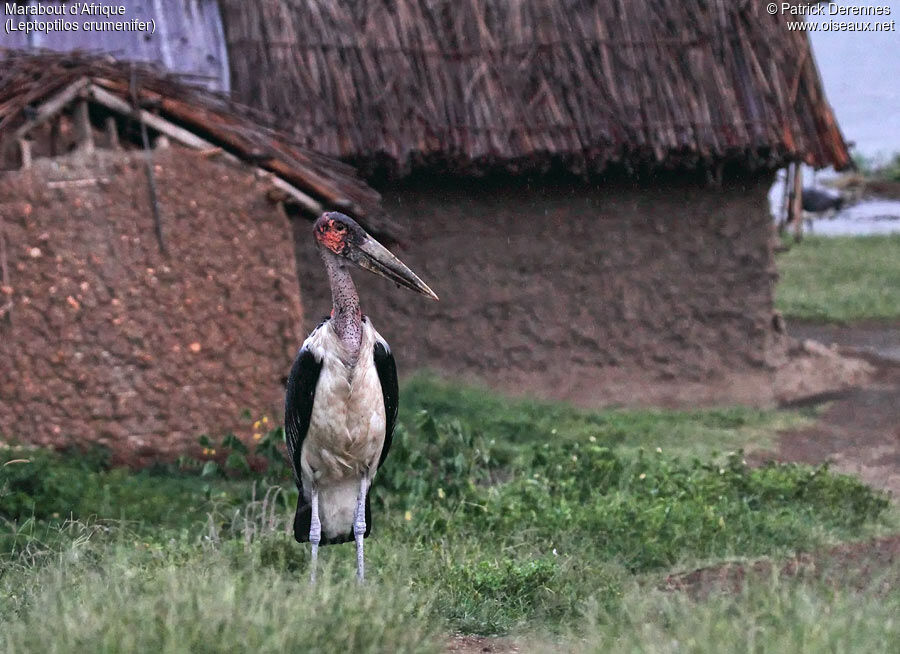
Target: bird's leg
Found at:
359, 526
315, 533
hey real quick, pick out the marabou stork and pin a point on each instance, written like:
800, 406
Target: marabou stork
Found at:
342, 397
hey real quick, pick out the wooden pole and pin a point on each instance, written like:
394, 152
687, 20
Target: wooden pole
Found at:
83, 125
797, 202
148, 167
25, 152
112, 133
785, 208
6, 290
54, 137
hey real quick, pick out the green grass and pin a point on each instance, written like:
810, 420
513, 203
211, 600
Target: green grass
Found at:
491, 516
182, 596
841, 279
776, 616
516, 422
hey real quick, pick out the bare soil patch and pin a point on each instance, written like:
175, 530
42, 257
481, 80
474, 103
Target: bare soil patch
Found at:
463, 644
859, 430
870, 566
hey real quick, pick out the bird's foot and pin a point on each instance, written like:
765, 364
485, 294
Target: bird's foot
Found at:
314, 562
359, 529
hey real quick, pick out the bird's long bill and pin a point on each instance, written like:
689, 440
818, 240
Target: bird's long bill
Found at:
376, 258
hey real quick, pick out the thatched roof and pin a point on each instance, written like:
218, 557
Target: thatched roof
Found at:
34, 88
472, 85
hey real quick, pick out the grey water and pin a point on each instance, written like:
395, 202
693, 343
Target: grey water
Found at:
861, 75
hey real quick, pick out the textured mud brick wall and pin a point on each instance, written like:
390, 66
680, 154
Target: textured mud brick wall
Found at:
597, 295
109, 341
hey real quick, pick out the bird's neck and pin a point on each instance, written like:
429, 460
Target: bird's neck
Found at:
346, 317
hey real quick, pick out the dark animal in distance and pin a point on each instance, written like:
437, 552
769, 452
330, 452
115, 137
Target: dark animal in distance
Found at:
817, 200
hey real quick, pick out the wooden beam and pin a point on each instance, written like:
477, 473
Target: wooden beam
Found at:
191, 140
307, 177
296, 194
76, 183
114, 102
52, 107
300, 172
314, 182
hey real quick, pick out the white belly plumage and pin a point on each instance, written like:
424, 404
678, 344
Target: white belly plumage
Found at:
346, 429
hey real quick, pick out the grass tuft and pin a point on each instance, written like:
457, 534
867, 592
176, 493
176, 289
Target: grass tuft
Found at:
132, 599
777, 616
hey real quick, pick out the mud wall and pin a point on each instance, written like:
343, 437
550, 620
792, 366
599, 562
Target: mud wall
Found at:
107, 340
656, 293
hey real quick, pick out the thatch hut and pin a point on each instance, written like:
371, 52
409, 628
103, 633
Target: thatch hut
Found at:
584, 183
147, 295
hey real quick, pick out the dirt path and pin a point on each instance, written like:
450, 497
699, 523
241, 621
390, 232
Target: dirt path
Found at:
859, 431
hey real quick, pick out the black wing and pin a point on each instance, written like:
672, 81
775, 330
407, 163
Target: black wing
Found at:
387, 375
298, 406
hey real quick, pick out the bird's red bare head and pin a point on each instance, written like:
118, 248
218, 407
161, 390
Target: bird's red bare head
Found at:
340, 235
335, 231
